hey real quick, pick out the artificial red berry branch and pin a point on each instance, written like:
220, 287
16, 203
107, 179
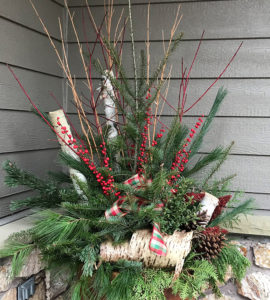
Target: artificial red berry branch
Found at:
107, 185
181, 158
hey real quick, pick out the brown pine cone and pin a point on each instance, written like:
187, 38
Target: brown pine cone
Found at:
210, 242
193, 225
202, 221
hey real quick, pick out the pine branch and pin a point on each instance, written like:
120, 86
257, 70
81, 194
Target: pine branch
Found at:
214, 155
117, 61
231, 217
218, 165
60, 177
20, 251
49, 193
173, 141
133, 54
163, 62
142, 78
199, 138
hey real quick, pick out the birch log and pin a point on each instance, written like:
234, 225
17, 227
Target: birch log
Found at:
107, 94
208, 204
75, 175
137, 249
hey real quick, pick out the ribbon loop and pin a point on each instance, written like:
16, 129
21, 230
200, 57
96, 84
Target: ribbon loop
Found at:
116, 209
156, 244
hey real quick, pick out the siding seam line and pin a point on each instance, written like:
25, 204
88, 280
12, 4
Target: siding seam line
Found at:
31, 70
28, 28
153, 3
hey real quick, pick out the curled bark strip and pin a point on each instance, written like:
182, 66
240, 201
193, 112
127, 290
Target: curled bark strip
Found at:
109, 106
76, 176
208, 204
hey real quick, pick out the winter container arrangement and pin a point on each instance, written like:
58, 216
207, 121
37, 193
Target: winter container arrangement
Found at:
129, 216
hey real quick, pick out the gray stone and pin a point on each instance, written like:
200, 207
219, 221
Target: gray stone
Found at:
6, 282
59, 298
213, 297
262, 255
40, 292
33, 265
255, 286
242, 248
57, 282
9, 295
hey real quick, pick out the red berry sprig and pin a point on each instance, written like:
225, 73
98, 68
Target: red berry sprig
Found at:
106, 184
142, 158
181, 158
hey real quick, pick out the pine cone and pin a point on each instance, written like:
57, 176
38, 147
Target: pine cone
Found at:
210, 242
201, 221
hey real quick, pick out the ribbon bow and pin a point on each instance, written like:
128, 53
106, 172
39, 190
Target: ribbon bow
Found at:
156, 244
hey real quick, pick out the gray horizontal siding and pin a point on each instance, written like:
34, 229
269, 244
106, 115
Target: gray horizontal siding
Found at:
249, 177
246, 97
28, 49
24, 46
21, 131
21, 12
36, 84
251, 61
6, 201
215, 17
134, 2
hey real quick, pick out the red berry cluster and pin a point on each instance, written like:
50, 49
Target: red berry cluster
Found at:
216, 230
158, 136
142, 158
107, 184
221, 205
182, 155
106, 158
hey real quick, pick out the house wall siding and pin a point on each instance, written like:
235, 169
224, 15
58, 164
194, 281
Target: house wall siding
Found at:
244, 116
25, 47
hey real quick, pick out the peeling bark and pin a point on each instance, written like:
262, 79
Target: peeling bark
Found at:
75, 175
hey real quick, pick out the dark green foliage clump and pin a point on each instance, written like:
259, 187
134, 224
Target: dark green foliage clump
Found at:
151, 285
195, 276
230, 256
179, 210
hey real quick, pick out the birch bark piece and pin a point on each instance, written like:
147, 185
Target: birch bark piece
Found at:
208, 204
107, 95
178, 247
75, 175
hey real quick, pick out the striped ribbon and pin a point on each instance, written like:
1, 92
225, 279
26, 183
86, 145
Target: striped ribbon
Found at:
156, 244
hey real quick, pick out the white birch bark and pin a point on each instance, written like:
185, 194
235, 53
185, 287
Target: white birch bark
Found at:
208, 204
107, 94
75, 175
137, 249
